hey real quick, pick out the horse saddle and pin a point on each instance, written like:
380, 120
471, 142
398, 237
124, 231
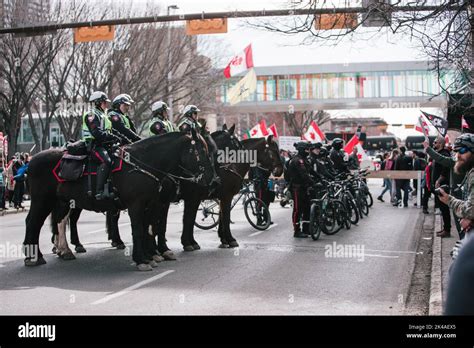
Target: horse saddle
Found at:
72, 167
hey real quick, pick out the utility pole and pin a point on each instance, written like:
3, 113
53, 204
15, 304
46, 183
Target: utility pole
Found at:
168, 65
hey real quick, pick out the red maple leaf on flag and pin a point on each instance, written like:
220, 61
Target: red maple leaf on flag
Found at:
254, 132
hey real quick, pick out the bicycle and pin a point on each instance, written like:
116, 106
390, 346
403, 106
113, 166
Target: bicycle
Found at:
255, 210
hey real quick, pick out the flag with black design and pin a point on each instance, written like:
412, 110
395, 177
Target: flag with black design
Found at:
439, 123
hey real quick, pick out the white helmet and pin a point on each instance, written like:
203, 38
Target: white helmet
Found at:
98, 97
121, 99
190, 109
159, 106
129, 98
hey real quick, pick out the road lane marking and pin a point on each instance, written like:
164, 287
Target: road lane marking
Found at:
105, 229
131, 288
260, 232
386, 256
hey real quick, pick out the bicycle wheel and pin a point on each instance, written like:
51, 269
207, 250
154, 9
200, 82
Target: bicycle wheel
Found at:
352, 211
363, 204
207, 216
314, 222
370, 200
257, 213
335, 213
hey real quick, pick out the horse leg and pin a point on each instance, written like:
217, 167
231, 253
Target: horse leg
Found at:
226, 226
112, 218
61, 217
73, 218
190, 209
39, 211
159, 229
137, 218
224, 222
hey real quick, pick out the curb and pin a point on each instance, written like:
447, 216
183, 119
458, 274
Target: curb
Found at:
436, 289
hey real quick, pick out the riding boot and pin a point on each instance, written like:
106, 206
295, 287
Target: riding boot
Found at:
102, 175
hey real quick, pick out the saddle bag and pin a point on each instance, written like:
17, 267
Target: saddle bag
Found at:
71, 167
77, 148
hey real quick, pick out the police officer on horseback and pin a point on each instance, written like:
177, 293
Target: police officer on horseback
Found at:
159, 124
97, 132
189, 119
121, 122
299, 170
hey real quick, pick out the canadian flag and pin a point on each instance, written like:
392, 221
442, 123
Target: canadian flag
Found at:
464, 123
273, 130
260, 130
240, 63
361, 154
351, 144
314, 134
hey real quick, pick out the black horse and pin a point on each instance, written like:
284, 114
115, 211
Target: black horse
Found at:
231, 182
146, 164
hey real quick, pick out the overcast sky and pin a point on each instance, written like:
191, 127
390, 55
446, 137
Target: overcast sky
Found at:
274, 49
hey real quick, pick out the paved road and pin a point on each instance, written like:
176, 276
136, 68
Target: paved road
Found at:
271, 272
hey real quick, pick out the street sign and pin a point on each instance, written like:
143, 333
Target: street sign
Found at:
94, 34
206, 26
335, 21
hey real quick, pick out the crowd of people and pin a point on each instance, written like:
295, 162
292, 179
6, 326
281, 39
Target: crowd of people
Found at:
448, 175
13, 185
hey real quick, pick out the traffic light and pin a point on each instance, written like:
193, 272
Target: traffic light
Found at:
206, 26
93, 34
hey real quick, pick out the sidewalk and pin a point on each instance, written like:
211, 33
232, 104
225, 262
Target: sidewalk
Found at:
440, 267
12, 210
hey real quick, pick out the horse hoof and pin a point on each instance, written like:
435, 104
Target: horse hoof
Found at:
196, 246
144, 267
168, 255
30, 263
188, 248
54, 250
223, 246
153, 263
67, 256
80, 249
233, 244
158, 258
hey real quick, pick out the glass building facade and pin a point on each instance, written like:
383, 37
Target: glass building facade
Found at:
376, 84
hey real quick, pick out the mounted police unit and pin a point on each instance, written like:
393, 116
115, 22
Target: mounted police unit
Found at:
121, 121
189, 120
159, 124
97, 133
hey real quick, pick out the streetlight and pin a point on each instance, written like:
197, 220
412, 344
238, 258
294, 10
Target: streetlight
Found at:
169, 76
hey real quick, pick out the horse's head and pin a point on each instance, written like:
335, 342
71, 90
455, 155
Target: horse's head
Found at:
269, 158
225, 138
195, 160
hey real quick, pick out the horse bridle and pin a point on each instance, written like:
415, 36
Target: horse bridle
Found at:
138, 166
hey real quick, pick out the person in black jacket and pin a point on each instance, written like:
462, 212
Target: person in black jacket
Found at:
300, 181
260, 176
403, 162
337, 155
441, 175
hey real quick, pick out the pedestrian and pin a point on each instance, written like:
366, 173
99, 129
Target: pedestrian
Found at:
441, 176
2, 188
19, 169
9, 182
353, 162
403, 162
387, 164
